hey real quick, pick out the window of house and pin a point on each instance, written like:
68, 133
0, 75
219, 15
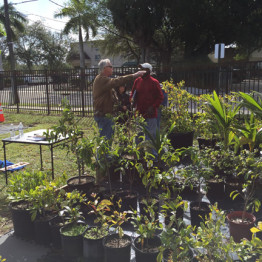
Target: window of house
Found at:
97, 57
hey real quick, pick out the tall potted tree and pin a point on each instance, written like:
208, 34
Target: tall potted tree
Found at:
68, 127
177, 113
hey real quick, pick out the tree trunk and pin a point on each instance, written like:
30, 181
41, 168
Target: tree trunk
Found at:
81, 49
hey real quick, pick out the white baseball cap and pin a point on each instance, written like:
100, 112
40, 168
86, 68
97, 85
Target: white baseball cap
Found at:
146, 65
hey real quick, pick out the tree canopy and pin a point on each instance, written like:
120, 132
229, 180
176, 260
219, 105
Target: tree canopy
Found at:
82, 16
39, 47
17, 20
190, 27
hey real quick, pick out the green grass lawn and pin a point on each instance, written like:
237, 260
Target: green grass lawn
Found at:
63, 161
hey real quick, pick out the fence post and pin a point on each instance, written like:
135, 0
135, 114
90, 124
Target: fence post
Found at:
16, 96
47, 92
83, 84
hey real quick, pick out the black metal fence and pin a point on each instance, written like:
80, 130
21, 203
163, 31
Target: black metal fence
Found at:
43, 90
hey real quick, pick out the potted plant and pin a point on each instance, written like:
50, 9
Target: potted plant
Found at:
177, 113
177, 243
205, 130
72, 232
249, 101
173, 210
240, 222
250, 134
147, 243
222, 112
19, 189
68, 127
196, 173
93, 236
211, 243
129, 161
46, 202
117, 246
69, 200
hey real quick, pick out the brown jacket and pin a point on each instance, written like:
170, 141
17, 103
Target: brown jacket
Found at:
102, 92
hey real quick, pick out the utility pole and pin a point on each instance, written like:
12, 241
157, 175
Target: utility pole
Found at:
14, 99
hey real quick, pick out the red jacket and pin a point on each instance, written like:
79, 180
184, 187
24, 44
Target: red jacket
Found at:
148, 94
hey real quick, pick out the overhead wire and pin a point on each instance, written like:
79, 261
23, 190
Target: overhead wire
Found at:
24, 2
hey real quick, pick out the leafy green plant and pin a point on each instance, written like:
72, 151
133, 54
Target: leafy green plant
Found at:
101, 209
75, 229
224, 113
161, 144
211, 243
198, 171
250, 133
250, 168
129, 148
35, 188
45, 198
170, 209
178, 103
177, 244
68, 127
22, 182
251, 103
117, 219
204, 126
146, 225
223, 162
72, 214
105, 156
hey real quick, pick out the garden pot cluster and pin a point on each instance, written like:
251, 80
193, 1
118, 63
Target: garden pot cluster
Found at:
90, 220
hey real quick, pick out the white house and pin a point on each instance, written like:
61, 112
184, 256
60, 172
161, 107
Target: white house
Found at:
92, 56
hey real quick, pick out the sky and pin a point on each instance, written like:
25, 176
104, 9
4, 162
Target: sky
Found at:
42, 10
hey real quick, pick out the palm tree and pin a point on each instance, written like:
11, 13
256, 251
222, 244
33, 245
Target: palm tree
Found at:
82, 17
17, 20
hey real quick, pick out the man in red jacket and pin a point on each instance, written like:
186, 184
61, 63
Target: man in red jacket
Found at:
148, 98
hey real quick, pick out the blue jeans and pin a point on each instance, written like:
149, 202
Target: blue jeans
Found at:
159, 111
105, 126
151, 126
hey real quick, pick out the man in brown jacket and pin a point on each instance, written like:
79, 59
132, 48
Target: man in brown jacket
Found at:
102, 95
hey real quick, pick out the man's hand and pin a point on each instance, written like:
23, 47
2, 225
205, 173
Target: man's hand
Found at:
139, 73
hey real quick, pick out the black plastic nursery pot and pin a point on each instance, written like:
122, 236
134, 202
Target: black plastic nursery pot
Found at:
129, 200
42, 230
233, 184
188, 193
113, 252
203, 143
21, 217
198, 212
93, 249
239, 230
150, 250
72, 246
179, 140
55, 224
215, 190
86, 184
